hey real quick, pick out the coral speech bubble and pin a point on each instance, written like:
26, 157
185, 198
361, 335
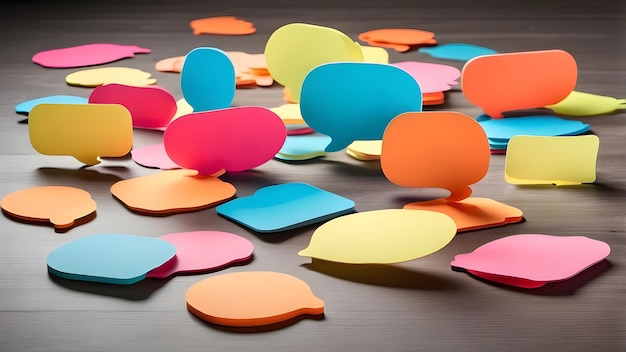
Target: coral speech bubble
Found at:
84, 131
520, 80
233, 139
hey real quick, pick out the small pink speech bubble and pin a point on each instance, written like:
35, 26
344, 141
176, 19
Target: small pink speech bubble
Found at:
233, 139
150, 107
431, 77
86, 55
153, 156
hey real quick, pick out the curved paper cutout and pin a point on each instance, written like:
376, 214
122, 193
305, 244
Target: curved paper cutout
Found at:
535, 257
26, 106
303, 147
223, 25
501, 130
285, 206
94, 77
457, 51
434, 98
520, 80
234, 139
587, 104
472, 213
381, 236
289, 113
153, 156
507, 280
110, 258
399, 39
86, 55
293, 50
551, 160
351, 101
150, 107
170, 64
171, 192
84, 131
435, 149
253, 298
207, 80
365, 150
431, 77
375, 54
200, 251
59, 205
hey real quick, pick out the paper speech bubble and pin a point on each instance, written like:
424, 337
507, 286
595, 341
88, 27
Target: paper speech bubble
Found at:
224, 25
303, 147
587, 104
435, 149
26, 106
400, 39
381, 236
111, 258
293, 50
234, 139
501, 130
86, 55
254, 298
457, 51
153, 156
519, 80
351, 101
59, 205
94, 77
431, 77
84, 131
207, 79
563, 160
375, 54
153, 115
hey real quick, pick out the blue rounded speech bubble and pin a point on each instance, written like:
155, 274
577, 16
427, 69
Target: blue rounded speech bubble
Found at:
207, 79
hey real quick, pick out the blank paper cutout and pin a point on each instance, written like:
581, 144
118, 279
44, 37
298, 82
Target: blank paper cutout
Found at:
435, 149
587, 104
255, 298
375, 54
110, 258
84, 131
59, 205
399, 39
234, 139
519, 80
365, 150
501, 130
153, 156
535, 257
26, 106
207, 80
457, 51
508, 280
303, 147
289, 113
200, 251
224, 25
434, 98
296, 48
563, 160
150, 107
170, 64
171, 192
351, 101
86, 55
381, 236
94, 77
432, 78
285, 206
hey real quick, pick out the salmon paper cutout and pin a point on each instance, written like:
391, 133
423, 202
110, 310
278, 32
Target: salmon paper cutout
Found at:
520, 80
399, 39
432, 78
457, 51
111, 258
207, 80
171, 192
234, 139
170, 64
94, 77
252, 298
86, 55
150, 107
381, 236
251, 67
536, 257
587, 104
563, 160
153, 156
59, 205
201, 251
26, 106
351, 101
222, 25
435, 149
84, 131
296, 48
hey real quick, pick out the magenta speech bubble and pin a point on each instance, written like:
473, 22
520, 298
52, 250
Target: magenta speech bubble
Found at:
151, 107
231, 139
431, 77
86, 55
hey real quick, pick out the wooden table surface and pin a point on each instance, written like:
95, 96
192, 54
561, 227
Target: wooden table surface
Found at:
416, 305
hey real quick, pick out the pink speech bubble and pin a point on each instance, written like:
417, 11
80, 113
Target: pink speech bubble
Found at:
150, 107
232, 139
431, 77
86, 55
153, 156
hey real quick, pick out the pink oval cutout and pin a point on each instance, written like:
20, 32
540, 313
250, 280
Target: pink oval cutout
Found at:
431, 77
86, 55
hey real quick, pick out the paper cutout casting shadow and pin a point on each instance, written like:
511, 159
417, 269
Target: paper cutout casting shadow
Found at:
46, 222
260, 329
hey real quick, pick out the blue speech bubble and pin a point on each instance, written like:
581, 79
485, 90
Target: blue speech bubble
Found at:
26, 106
457, 51
207, 79
502, 129
351, 101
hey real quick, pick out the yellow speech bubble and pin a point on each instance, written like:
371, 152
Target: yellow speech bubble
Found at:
104, 75
375, 54
560, 160
289, 113
84, 131
381, 236
587, 104
293, 50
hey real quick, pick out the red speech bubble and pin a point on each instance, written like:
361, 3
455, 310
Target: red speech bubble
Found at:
232, 139
520, 80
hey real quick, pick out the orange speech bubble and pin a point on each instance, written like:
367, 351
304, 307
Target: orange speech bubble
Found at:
224, 25
435, 149
520, 80
399, 39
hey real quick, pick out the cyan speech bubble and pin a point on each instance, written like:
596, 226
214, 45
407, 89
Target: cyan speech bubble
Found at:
207, 79
501, 130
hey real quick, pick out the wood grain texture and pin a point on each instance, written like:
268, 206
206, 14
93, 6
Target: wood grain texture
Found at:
418, 305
